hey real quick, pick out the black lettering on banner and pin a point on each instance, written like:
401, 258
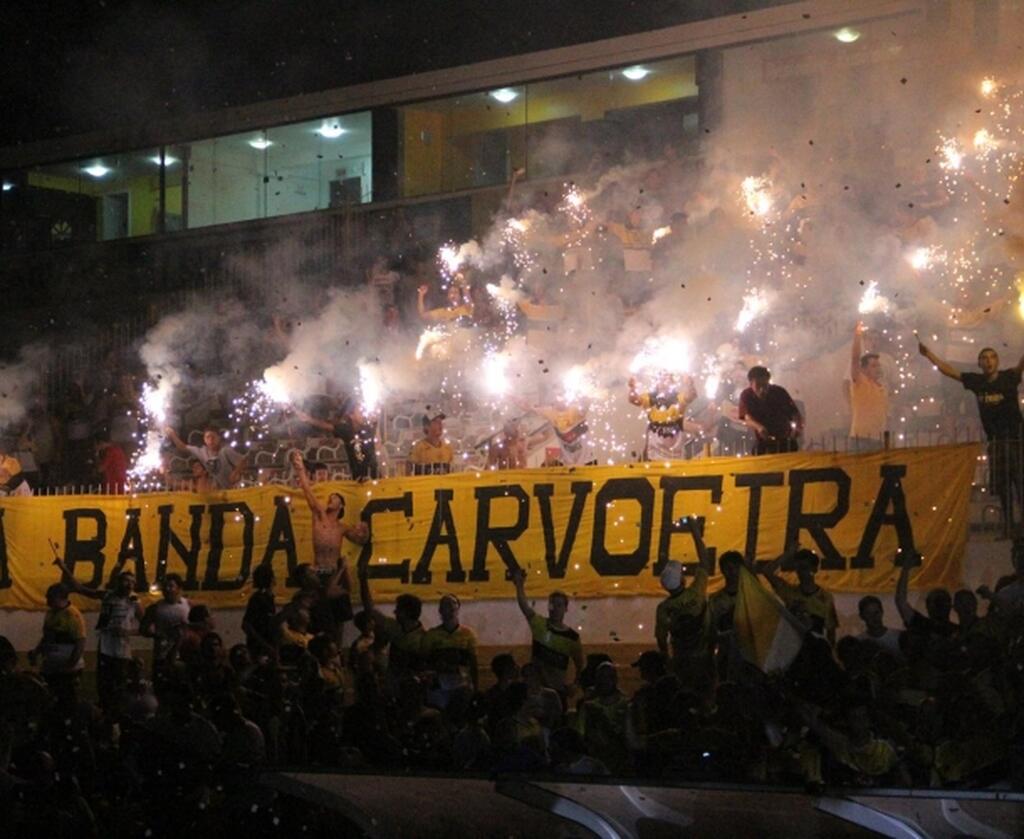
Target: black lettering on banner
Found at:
817, 523
543, 493
5, 574
169, 539
488, 534
889, 493
131, 548
381, 571
606, 563
282, 537
211, 579
694, 525
85, 550
756, 481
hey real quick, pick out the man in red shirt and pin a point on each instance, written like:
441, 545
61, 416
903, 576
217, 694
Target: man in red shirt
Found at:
770, 412
112, 465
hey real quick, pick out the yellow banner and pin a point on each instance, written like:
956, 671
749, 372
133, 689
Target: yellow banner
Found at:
591, 531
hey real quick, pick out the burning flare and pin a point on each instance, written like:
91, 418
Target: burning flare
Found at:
755, 302
757, 195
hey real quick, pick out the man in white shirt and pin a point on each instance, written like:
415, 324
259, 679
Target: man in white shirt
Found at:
222, 463
875, 631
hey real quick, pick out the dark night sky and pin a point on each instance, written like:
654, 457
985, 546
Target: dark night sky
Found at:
81, 65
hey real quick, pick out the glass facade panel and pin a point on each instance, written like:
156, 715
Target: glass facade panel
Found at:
226, 179
319, 164
100, 198
466, 141
602, 118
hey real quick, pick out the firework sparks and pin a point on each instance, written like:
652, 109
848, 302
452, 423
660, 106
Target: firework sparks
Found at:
755, 303
660, 233
711, 385
952, 156
578, 384
988, 86
983, 141
495, 373
662, 355
871, 301
450, 259
921, 259
371, 387
431, 336
757, 195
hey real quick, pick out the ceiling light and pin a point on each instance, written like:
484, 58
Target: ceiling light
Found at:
635, 74
504, 94
168, 160
97, 170
260, 143
330, 131
846, 35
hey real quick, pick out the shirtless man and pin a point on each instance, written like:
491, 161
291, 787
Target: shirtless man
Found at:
328, 528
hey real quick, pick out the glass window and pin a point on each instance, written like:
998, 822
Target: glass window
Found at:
226, 179
319, 164
99, 198
603, 118
471, 140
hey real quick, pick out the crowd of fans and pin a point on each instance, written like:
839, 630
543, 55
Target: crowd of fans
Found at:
938, 702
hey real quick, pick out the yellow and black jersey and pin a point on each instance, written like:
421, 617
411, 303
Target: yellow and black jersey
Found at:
448, 652
554, 648
664, 412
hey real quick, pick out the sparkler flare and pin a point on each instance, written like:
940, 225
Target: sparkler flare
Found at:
871, 301
952, 156
988, 86
371, 388
983, 141
755, 302
495, 373
662, 355
430, 337
757, 195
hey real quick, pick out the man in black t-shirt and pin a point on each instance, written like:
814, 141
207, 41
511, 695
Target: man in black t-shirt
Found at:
999, 410
358, 433
770, 412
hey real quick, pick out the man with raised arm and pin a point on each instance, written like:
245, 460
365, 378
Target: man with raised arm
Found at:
222, 463
357, 430
328, 528
999, 411
869, 398
666, 415
554, 643
404, 632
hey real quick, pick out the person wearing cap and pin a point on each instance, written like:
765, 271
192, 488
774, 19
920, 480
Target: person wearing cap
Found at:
432, 454
683, 618
554, 643
770, 412
449, 650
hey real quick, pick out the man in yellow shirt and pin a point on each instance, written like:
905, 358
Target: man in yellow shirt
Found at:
869, 398
555, 645
431, 455
806, 598
449, 650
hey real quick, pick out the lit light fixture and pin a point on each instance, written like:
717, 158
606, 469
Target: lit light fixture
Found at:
97, 170
260, 143
846, 35
330, 130
168, 160
504, 94
8, 186
635, 74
